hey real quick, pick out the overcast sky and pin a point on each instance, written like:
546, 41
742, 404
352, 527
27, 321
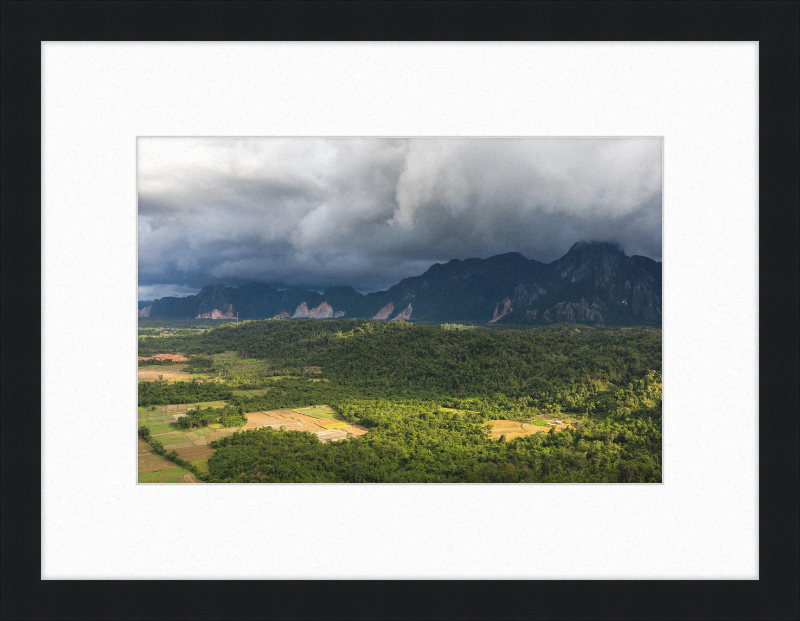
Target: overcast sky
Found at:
367, 212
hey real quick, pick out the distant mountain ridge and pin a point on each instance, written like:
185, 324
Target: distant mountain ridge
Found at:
594, 283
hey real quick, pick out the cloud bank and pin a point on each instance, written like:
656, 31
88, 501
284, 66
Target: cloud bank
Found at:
367, 212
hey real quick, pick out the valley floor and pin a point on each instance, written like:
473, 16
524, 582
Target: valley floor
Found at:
387, 421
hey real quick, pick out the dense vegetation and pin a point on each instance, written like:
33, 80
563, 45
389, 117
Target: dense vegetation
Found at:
155, 333
227, 416
394, 378
160, 392
405, 359
417, 442
156, 363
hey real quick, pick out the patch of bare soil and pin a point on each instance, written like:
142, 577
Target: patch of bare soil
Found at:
169, 374
356, 430
513, 429
173, 357
509, 428
288, 424
535, 428
308, 421
195, 452
300, 422
277, 414
559, 426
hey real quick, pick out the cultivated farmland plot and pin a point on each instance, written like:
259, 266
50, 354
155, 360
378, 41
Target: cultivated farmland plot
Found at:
195, 452
191, 445
326, 427
278, 424
320, 420
515, 429
170, 374
150, 462
317, 411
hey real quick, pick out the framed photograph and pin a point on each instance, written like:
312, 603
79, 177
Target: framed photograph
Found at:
89, 92
371, 300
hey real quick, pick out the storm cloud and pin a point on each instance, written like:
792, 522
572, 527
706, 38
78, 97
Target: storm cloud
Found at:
367, 212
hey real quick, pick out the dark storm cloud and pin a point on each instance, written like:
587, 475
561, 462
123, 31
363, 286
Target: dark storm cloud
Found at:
367, 212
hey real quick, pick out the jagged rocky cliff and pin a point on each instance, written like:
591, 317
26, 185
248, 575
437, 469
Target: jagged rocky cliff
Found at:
227, 313
501, 310
385, 312
403, 314
323, 311
594, 283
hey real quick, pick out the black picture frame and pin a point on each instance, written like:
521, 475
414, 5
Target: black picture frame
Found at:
773, 24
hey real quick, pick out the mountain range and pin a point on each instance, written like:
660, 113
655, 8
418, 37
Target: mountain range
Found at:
593, 283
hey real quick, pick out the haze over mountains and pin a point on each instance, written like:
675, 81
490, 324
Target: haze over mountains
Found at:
594, 283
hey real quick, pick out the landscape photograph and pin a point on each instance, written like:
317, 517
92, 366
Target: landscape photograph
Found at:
399, 310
